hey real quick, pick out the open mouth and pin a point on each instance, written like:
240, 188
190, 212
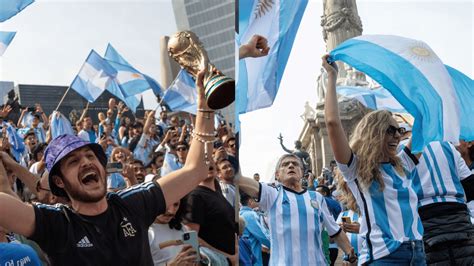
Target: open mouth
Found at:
393, 144
291, 172
90, 177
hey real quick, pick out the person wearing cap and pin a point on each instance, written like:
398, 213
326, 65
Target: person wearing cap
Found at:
100, 228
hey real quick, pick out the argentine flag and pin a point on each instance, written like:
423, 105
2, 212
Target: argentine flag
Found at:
182, 94
259, 78
9, 8
375, 99
96, 75
415, 76
131, 80
6, 38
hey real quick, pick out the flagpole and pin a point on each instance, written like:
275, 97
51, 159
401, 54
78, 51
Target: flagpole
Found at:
62, 99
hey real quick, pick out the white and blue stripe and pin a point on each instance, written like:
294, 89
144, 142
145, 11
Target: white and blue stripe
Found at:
376, 99
259, 78
6, 38
415, 76
181, 94
388, 217
295, 223
439, 173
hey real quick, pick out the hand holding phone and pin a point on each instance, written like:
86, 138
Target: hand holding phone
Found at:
191, 238
114, 168
346, 219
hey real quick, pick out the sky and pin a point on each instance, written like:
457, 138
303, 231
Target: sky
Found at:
446, 26
54, 38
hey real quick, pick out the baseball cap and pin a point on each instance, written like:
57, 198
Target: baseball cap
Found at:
59, 148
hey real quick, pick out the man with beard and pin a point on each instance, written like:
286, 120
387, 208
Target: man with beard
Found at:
100, 229
87, 132
139, 170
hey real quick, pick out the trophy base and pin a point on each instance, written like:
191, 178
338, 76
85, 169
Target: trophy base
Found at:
220, 92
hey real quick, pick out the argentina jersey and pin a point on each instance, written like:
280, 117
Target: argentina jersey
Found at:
355, 239
439, 173
295, 223
389, 217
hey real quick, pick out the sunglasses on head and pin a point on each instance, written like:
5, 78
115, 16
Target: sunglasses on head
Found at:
392, 129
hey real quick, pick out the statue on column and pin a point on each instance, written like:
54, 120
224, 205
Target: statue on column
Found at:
298, 151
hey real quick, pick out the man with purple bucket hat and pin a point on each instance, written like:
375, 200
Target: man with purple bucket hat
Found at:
101, 228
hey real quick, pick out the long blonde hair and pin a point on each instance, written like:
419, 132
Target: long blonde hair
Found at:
347, 198
368, 143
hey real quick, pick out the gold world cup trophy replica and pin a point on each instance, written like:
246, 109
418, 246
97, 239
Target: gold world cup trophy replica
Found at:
187, 50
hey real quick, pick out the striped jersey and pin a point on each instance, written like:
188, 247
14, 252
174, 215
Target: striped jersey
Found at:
438, 175
388, 217
296, 220
355, 239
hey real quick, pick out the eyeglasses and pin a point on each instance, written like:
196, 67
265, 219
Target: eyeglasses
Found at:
181, 149
392, 129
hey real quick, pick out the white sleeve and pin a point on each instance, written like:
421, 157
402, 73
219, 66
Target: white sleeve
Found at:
339, 218
143, 140
461, 166
328, 220
349, 171
266, 196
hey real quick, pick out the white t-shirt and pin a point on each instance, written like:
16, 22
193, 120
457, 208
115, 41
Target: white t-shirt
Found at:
158, 233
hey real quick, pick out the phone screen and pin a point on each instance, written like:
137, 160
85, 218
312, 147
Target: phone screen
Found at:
346, 219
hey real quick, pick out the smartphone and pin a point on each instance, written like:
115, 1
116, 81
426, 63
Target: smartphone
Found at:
114, 168
346, 219
191, 238
31, 109
218, 144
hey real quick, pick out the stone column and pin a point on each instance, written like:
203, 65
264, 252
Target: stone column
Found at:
169, 68
340, 22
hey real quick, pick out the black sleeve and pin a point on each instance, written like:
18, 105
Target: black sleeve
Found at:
411, 155
50, 227
146, 199
195, 209
468, 185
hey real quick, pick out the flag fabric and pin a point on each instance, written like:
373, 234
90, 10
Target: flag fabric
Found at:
278, 21
6, 38
131, 80
376, 99
131, 101
9, 8
182, 94
16, 142
96, 75
415, 76
60, 125
465, 91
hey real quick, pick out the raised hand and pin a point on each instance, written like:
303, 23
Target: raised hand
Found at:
256, 47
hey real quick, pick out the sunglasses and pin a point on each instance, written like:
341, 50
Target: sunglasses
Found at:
392, 129
39, 188
181, 149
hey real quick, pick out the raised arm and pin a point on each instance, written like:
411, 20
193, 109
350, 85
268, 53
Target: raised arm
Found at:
282, 145
150, 119
247, 185
21, 172
40, 110
16, 216
337, 137
177, 184
84, 112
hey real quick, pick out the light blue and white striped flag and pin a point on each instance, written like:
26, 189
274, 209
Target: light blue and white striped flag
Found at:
6, 38
130, 79
376, 99
415, 76
182, 94
259, 78
9, 8
96, 75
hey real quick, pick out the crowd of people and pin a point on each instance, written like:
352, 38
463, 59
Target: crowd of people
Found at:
149, 191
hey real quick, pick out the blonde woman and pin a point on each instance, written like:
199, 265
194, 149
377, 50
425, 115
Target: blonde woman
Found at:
378, 177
